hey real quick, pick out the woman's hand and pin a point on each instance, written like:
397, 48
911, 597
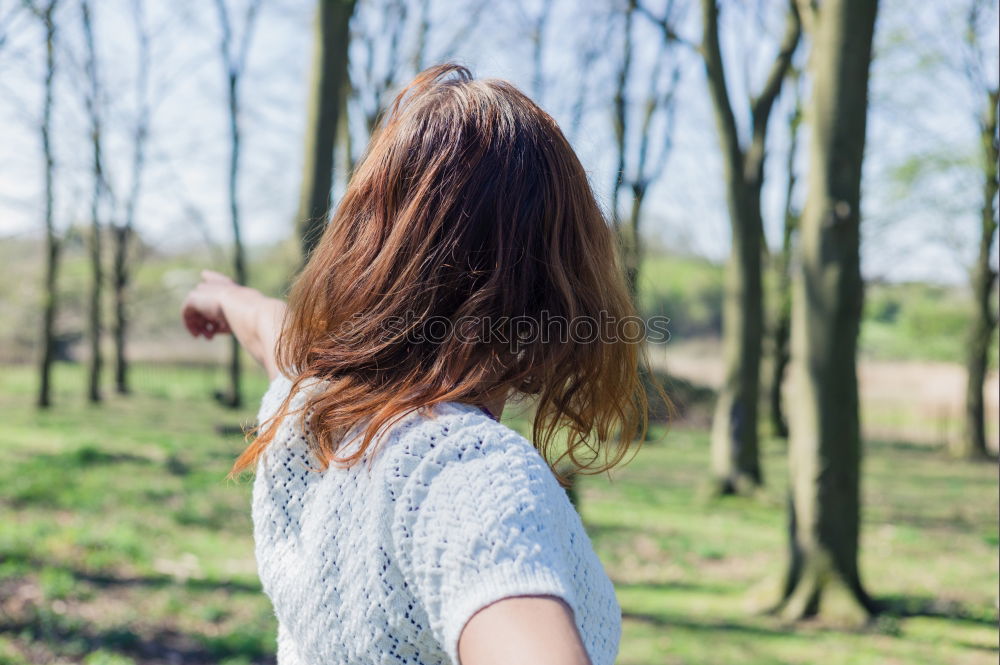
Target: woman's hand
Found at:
220, 305
202, 309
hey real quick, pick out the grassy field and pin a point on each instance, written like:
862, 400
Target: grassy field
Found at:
122, 542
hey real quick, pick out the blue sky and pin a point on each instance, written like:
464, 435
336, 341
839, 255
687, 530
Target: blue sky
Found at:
922, 112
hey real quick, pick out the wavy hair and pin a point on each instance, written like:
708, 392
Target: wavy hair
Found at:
469, 206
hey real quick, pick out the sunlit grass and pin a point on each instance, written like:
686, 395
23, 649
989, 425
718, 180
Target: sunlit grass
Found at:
122, 542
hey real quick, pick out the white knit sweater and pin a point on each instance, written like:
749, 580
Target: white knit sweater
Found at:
384, 562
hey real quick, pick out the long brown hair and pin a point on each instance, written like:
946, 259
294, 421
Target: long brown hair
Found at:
471, 210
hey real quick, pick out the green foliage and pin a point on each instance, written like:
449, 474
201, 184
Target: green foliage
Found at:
901, 321
685, 289
103, 657
9, 653
916, 322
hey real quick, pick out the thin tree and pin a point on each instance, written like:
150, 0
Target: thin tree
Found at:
783, 309
642, 159
7, 18
423, 33
123, 233
45, 13
590, 50
92, 100
470, 12
376, 87
735, 446
982, 276
533, 22
380, 32
328, 92
234, 55
535, 25
825, 445
370, 80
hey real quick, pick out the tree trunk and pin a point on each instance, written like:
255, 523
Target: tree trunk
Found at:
632, 242
119, 281
620, 118
235, 396
735, 447
94, 318
124, 232
735, 443
96, 362
780, 336
50, 306
235, 66
983, 277
344, 132
825, 445
783, 315
329, 77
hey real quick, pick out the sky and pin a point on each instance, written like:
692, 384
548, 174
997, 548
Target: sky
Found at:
921, 187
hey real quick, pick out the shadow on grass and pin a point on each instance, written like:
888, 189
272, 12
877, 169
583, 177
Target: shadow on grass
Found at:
662, 587
160, 581
907, 447
924, 449
978, 647
89, 455
957, 523
616, 532
70, 636
904, 606
663, 621
153, 581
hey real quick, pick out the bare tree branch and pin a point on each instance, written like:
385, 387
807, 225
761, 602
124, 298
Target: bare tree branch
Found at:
716, 73
464, 31
666, 26
808, 10
760, 107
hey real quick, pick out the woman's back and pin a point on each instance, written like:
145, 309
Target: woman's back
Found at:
467, 263
386, 560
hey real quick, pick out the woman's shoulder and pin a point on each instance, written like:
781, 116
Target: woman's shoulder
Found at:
277, 392
422, 443
274, 396
453, 432
457, 450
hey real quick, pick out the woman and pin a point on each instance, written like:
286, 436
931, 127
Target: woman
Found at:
395, 519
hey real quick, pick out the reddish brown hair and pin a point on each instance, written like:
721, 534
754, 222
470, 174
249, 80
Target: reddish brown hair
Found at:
469, 205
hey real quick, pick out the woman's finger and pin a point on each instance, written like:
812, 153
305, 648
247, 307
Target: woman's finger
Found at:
212, 276
193, 321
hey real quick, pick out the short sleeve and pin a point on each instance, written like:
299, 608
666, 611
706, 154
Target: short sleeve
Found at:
476, 524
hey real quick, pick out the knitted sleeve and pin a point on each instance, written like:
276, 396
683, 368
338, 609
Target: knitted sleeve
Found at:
477, 522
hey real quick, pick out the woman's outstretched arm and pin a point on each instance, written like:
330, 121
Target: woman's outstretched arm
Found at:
220, 305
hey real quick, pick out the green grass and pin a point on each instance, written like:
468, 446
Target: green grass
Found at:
122, 542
